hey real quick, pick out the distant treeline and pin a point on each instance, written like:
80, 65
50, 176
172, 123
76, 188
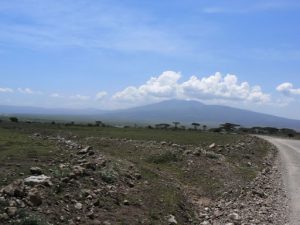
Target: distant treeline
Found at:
176, 125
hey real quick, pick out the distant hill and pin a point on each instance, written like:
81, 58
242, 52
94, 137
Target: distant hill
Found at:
5, 109
169, 111
192, 111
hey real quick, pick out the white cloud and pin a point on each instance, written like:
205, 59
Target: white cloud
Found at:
80, 97
167, 86
56, 95
215, 86
288, 89
6, 90
100, 95
28, 91
164, 86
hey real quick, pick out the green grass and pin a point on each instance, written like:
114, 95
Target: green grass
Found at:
168, 172
175, 136
18, 152
165, 157
18, 145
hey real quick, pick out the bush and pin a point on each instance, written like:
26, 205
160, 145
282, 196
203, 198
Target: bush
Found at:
26, 219
212, 155
29, 221
109, 176
14, 119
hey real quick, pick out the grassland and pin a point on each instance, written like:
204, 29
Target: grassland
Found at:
179, 172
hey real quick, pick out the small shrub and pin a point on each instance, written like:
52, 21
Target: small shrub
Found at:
212, 155
14, 119
109, 176
61, 172
26, 219
29, 221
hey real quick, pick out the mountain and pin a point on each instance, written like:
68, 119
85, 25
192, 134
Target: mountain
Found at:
5, 109
169, 111
187, 112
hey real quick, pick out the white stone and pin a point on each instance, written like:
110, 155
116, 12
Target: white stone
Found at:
172, 220
78, 206
234, 216
41, 179
205, 223
212, 145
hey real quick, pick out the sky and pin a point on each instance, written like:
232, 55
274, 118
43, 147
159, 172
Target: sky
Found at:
111, 54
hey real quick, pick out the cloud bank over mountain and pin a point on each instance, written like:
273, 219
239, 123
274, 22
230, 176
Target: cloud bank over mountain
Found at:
168, 85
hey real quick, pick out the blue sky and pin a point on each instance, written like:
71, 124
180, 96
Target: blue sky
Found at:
122, 53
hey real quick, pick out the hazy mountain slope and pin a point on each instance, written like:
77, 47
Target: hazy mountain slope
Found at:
193, 111
185, 112
5, 109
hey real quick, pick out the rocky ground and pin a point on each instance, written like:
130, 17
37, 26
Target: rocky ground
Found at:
101, 180
263, 201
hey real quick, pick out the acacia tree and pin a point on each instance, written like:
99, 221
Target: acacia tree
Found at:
176, 124
98, 123
14, 119
196, 125
229, 126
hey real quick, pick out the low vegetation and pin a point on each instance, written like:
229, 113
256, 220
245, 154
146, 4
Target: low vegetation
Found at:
107, 175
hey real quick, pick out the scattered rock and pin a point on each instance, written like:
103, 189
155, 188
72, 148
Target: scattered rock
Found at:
4, 216
78, 206
205, 222
15, 189
163, 143
78, 170
34, 197
172, 220
218, 213
106, 223
36, 171
97, 222
100, 183
11, 211
84, 150
213, 145
41, 179
90, 214
234, 216
2, 200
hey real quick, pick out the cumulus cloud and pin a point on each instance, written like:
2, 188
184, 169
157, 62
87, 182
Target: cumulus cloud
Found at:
164, 86
28, 91
214, 87
80, 97
6, 90
288, 89
100, 95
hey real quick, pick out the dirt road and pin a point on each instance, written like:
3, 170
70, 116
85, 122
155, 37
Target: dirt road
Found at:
290, 156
